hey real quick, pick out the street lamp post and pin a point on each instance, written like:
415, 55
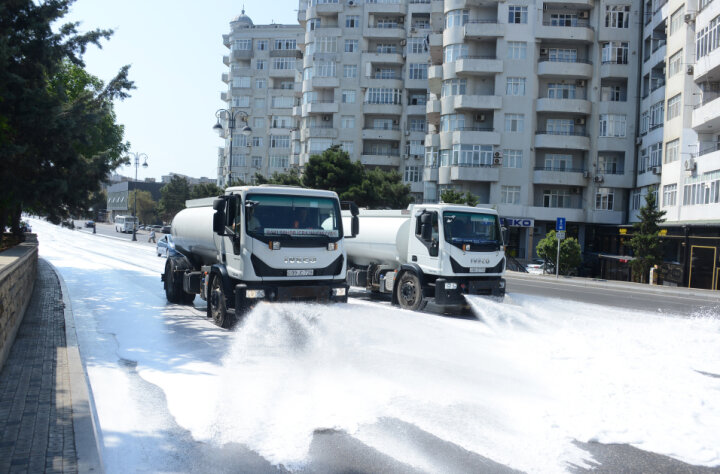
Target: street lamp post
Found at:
136, 162
231, 117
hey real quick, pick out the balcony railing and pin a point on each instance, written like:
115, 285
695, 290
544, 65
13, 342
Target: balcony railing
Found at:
611, 171
567, 133
543, 58
708, 147
320, 101
615, 61
573, 24
577, 97
394, 127
483, 21
467, 56
381, 152
472, 129
559, 169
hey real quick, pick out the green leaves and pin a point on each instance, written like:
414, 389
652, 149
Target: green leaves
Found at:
450, 196
173, 197
570, 255
645, 242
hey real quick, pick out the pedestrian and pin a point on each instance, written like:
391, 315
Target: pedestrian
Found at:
152, 236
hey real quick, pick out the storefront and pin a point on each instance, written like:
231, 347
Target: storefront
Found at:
519, 237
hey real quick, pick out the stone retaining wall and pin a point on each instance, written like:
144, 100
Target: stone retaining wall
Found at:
18, 267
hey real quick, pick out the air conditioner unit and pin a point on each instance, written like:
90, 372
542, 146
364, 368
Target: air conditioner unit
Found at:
401, 20
690, 165
351, 3
599, 178
543, 51
580, 83
497, 161
656, 170
326, 118
395, 122
689, 17
580, 121
586, 174
406, 156
690, 70
480, 117
413, 30
584, 15
403, 42
497, 154
407, 133
574, 190
638, 141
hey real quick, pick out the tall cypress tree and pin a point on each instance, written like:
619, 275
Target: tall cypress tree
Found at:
645, 241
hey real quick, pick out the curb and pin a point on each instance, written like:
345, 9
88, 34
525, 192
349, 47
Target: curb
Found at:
85, 424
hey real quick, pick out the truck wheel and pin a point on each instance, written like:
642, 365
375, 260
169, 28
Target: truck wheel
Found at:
173, 285
410, 293
217, 307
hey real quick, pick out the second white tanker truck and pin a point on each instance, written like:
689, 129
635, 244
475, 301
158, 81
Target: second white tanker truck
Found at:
437, 252
258, 243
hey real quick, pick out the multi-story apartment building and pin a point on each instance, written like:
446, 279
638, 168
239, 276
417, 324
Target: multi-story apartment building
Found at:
532, 108
364, 82
263, 64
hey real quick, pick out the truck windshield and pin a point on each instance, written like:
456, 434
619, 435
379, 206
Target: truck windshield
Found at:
481, 231
292, 217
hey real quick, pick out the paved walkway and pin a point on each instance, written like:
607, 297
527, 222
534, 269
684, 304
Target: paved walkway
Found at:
41, 391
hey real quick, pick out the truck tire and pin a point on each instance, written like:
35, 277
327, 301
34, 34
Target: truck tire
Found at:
216, 304
173, 285
410, 292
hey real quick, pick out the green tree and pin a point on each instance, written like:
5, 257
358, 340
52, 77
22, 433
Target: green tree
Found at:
380, 189
570, 257
291, 178
98, 204
58, 133
645, 242
173, 197
146, 206
205, 190
451, 196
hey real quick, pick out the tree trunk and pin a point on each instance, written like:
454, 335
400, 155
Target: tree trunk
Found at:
15, 214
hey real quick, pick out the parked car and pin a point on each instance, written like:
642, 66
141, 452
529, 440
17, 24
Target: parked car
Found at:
90, 224
165, 246
165, 229
538, 266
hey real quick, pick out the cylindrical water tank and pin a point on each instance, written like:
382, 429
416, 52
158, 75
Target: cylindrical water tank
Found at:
192, 231
383, 238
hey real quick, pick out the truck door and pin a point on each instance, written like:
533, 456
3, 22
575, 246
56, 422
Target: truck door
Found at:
233, 236
424, 249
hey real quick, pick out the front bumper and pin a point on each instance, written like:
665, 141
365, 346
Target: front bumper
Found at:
318, 293
452, 291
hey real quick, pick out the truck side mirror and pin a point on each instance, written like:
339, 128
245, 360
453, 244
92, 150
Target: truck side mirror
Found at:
426, 231
351, 206
219, 204
219, 222
355, 225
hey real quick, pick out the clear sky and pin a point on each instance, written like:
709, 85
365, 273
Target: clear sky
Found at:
175, 49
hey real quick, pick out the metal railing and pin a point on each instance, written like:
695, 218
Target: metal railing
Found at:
392, 128
574, 24
559, 169
381, 153
573, 133
543, 58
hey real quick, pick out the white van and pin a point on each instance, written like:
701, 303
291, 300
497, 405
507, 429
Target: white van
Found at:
125, 223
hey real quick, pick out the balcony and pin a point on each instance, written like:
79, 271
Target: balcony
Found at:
618, 69
225, 77
606, 217
572, 140
324, 9
474, 173
575, 69
242, 54
388, 8
435, 78
379, 158
478, 66
573, 213
570, 106
475, 29
289, 73
556, 176
377, 57
430, 174
226, 60
433, 108
579, 31
379, 133
435, 43
321, 131
469, 136
416, 109
706, 117
320, 107
397, 32
318, 82
382, 109
471, 102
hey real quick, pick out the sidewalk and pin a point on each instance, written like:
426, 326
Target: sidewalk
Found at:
46, 422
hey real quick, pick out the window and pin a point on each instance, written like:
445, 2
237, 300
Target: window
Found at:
416, 148
260, 83
560, 126
708, 38
285, 85
352, 21
644, 123
514, 122
259, 103
349, 147
281, 121
308, 73
563, 19
242, 82
257, 141
416, 124
417, 98
279, 141
635, 200
613, 93
257, 161
673, 107
418, 71
413, 174
283, 63
655, 155
348, 96
238, 160
285, 44
385, 73
351, 46
670, 195
612, 125
453, 87
350, 70
604, 199
561, 91
555, 162
241, 101
259, 122
563, 55
608, 164
672, 151
325, 68
617, 16
556, 198
279, 161
313, 24
657, 115
677, 19
510, 194
242, 45
452, 122
515, 86
615, 52
516, 50
282, 102
456, 18
347, 121
261, 45
260, 64
416, 45
239, 140
381, 95
517, 14
512, 158
472, 155
326, 44
675, 63
453, 52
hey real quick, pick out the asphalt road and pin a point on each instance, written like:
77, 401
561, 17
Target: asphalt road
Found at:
109, 231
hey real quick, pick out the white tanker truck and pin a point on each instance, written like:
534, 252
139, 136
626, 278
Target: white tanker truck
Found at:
254, 243
428, 252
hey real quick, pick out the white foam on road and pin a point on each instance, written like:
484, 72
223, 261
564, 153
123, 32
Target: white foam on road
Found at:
518, 386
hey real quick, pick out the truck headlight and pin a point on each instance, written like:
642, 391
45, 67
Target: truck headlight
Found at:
254, 294
338, 291
332, 246
450, 285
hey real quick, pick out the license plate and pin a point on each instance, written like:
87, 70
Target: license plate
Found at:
299, 273
477, 269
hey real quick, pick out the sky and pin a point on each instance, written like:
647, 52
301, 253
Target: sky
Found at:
175, 50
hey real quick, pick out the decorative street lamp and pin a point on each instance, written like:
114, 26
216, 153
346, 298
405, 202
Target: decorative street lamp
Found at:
136, 161
231, 116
